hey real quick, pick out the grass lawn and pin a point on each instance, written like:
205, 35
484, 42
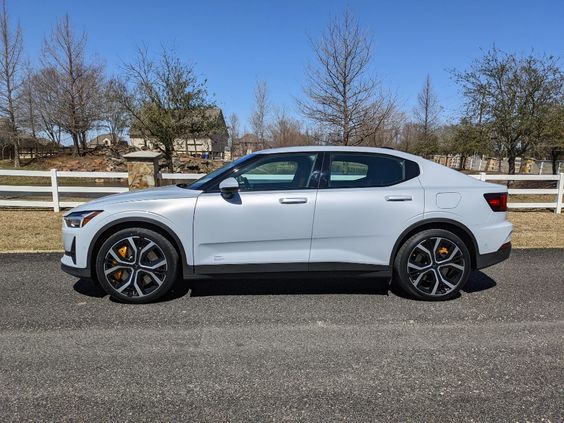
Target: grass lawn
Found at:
32, 230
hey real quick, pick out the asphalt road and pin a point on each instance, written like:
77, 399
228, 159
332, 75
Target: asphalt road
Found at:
284, 350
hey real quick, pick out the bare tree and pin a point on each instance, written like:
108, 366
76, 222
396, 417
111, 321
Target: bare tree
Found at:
285, 131
512, 96
47, 98
10, 77
233, 133
166, 101
341, 97
386, 127
76, 84
260, 113
426, 115
115, 117
27, 105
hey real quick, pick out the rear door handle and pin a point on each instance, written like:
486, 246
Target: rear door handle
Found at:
398, 197
293, 200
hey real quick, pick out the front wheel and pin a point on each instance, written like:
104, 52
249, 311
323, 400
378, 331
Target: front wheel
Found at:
432, 265
137, 265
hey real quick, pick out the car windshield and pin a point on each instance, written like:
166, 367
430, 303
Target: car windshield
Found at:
205, 179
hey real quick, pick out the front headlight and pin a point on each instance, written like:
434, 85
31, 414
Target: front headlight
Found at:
80, 218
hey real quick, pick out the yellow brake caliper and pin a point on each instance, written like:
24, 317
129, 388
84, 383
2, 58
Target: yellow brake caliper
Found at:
122, 252
443, 251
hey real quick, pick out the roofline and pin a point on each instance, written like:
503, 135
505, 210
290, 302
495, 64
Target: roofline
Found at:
349, 149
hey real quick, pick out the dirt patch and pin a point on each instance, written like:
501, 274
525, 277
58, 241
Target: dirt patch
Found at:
110, 159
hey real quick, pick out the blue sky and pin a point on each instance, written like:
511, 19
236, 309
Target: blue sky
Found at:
235, 43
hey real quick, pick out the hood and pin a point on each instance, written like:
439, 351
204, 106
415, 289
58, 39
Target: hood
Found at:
161, 193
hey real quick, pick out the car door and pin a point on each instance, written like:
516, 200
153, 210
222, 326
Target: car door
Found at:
365, 201
269, 221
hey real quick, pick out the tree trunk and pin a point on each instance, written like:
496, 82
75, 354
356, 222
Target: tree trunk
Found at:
76, 150
511, 162
462, 164
16, 153
554, 152
82, 138
168, 159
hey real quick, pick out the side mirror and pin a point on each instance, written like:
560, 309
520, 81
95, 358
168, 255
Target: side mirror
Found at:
229, 187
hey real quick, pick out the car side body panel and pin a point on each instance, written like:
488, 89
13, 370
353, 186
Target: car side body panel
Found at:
452, 195
361, 225
254, 227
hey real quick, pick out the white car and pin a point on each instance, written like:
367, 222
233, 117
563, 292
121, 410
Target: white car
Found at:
357, 210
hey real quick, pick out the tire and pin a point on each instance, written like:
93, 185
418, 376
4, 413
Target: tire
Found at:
136, 265
432, 265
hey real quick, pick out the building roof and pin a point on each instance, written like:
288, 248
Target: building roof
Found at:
99, 139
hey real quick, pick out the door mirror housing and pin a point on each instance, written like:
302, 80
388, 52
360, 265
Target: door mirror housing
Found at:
229, 187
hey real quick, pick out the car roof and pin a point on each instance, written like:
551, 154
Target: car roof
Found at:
344, 149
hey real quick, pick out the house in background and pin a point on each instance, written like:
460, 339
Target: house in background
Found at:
106, 139
247, 144
211, 143
30, 147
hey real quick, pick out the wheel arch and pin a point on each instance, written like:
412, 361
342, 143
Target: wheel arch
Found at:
453, 226
136, 222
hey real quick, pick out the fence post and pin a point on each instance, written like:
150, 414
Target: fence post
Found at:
55, 190
541, 167
560, 188
482, 176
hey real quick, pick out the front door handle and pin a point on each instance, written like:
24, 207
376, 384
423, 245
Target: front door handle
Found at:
398, 197
293, 200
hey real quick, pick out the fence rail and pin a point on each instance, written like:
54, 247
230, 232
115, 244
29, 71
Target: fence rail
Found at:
54, 188
558, 191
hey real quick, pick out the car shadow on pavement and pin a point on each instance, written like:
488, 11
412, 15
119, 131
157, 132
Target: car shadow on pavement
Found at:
478, 281
93, 289
89, 288
288, 286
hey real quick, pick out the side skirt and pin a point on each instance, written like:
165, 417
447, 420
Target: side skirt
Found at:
292, 269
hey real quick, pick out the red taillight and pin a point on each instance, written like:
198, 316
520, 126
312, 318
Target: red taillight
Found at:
497, 201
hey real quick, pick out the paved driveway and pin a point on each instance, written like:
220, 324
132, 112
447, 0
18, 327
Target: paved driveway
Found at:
276, 350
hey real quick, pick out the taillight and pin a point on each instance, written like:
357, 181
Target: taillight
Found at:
497, 201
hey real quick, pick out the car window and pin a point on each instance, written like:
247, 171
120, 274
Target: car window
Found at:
200, 183
358, 170
280, 172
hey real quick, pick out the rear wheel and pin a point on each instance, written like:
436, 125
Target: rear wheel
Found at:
137, 265
432, 265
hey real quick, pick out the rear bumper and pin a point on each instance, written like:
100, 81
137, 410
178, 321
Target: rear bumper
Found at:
487, 260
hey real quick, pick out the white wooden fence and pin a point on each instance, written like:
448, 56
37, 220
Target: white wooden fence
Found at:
54, 188
558, 192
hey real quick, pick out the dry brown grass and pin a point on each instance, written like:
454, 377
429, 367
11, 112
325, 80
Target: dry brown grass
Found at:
30, 230
33, 230
537, 229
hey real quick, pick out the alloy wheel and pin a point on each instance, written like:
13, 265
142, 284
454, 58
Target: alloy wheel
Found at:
135, 266
436, 266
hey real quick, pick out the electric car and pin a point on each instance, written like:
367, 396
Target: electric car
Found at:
316, 210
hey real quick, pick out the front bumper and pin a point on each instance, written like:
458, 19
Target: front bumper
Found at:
76, 271
489, 259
